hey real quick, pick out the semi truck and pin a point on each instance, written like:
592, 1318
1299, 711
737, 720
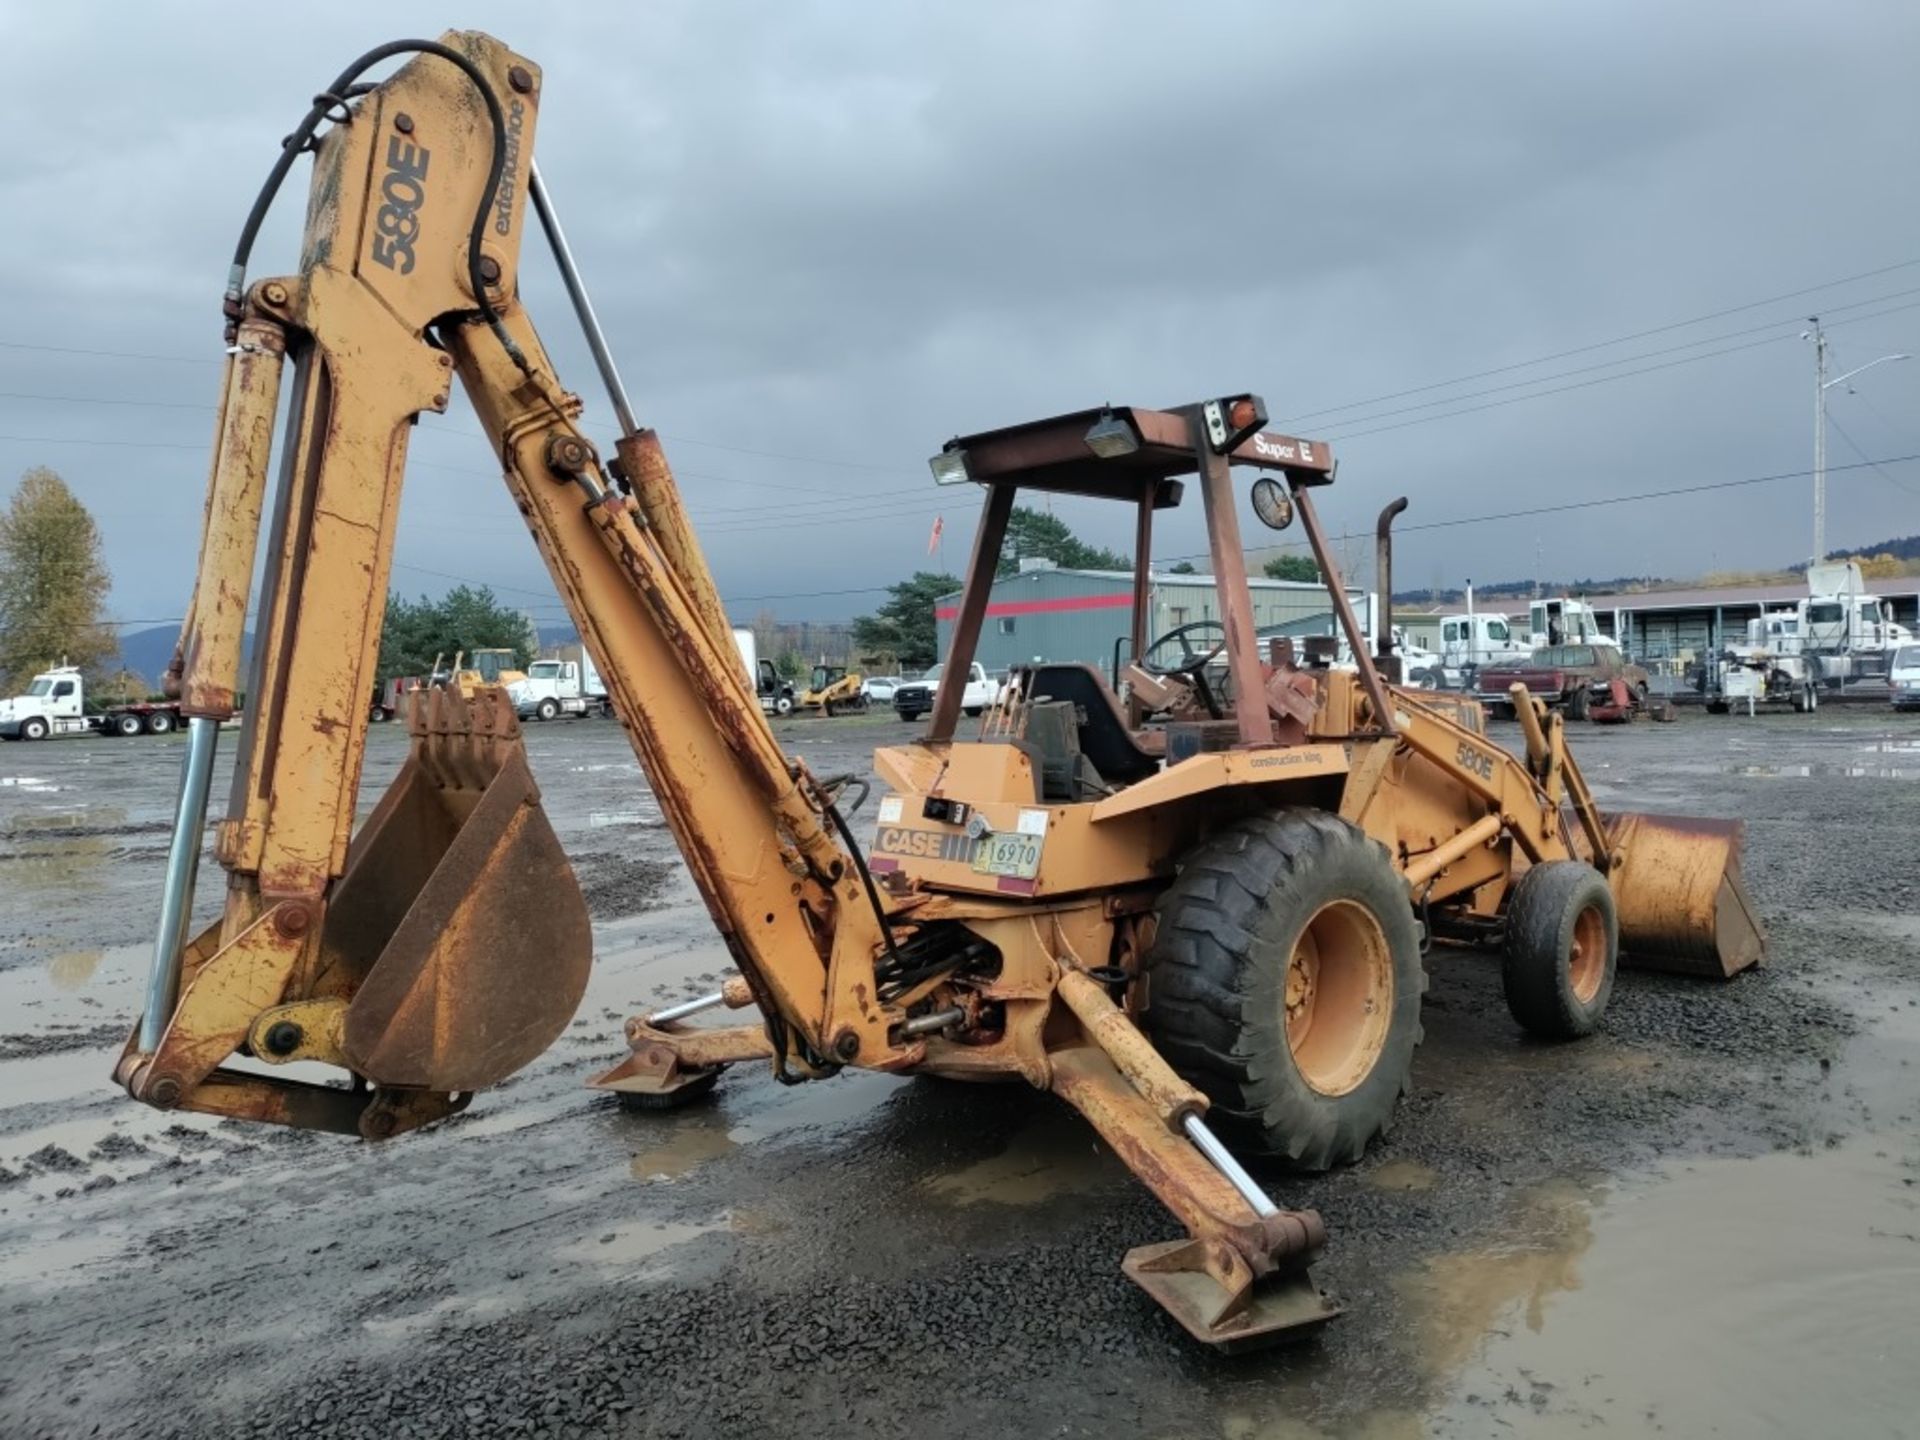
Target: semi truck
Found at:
553, 688
55, 703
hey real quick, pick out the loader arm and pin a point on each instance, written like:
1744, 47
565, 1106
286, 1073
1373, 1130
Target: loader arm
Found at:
447, 943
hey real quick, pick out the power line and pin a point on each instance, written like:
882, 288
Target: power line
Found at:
1601, 344
1622, 360
1603, 379
1840, 430
1594, 504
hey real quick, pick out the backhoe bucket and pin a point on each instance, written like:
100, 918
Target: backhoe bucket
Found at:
461, 909
1677, 888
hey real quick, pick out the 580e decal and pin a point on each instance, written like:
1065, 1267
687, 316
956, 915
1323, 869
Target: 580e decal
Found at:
403, 189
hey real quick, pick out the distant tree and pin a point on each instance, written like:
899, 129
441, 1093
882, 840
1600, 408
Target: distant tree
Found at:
1034, 533
904, 626
53, 583
122, 687
1182, 567
1291, 567
466, 618
1882, 566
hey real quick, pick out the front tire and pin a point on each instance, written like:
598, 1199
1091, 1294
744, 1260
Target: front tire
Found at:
548, 709
1284, 981
1563, 947
33, 729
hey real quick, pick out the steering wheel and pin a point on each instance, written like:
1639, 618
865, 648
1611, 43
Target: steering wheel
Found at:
1187, 652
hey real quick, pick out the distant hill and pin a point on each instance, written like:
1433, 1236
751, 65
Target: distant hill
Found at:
1906, 547
146, 652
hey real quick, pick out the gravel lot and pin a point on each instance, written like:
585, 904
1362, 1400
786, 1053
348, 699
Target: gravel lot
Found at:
1707, 1217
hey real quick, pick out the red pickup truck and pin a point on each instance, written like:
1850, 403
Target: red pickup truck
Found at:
1561, 676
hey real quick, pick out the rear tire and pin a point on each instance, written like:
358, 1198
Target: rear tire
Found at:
1563, 946
1578, 702
1292, 906
128, 725
159, 722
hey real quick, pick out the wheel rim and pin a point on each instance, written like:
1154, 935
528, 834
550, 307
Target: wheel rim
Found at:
1339, 999
1587, 956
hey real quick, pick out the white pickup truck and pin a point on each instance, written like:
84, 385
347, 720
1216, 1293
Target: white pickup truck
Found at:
914, 698
559, 687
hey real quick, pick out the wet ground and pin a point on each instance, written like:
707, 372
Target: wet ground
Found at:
1704, 1221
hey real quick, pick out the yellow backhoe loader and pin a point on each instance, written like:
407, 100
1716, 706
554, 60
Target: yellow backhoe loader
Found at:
1197, 913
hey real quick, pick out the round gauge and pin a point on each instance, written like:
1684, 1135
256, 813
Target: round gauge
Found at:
1272, 503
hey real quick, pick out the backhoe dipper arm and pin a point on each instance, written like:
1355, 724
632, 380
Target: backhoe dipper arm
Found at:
447, 943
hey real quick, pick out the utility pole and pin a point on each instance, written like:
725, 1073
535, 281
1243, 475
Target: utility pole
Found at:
1819, 440
1821, 384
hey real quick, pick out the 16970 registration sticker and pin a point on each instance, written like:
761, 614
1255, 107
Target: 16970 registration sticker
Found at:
1001, 854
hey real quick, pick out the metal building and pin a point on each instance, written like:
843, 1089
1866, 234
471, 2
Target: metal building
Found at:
1048, 613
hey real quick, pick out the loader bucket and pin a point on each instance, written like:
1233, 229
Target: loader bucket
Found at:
458, 912
1677, 888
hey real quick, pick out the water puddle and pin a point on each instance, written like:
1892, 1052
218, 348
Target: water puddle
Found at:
1773, 1295
1827, 770
823, 1103
648, 817
1402, 1175
1742, 1297
30, 784
1456, 1301
640, 1242
1055, 1155
473, 1307
72, 969
680, 1150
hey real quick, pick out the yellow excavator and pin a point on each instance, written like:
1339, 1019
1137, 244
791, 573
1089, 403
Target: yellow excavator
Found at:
1196, 910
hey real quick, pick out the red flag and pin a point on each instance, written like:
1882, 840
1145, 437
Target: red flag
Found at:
933, 539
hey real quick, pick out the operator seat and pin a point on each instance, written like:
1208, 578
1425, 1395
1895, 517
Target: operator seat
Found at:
1104, 738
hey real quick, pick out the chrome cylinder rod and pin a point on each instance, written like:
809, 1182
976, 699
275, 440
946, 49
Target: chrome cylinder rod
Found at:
686, 1008
1209, 1145
938, 1020
582, 305
183, 863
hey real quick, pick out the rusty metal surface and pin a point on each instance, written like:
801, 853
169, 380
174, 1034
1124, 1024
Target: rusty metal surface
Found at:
489, 956
1682, 904
1230, 582
1239, 1281
1052, 454
206, 670
644, 462
1170, 1097
1343, 607
981, 569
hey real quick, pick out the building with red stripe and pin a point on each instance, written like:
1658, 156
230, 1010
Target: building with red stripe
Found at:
1049, 613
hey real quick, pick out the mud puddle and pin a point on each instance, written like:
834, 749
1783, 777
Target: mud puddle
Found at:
1677, 1307
1053, 1155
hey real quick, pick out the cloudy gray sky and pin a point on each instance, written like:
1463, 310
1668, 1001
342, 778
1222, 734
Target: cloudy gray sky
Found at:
826, 236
